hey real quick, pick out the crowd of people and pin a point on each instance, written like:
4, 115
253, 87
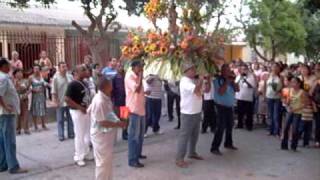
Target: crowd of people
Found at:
94, 101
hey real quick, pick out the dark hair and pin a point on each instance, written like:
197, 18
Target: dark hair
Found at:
16, 71
3, 62
308, 68
103, 81
94, 66
37, 65
298, 80
61, 62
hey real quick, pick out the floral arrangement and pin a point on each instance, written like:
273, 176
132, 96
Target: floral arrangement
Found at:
155, 9
164, 52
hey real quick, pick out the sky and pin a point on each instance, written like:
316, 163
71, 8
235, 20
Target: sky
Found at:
75, 11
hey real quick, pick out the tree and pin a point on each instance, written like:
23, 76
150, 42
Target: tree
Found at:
97, 34
311, 18
276, 26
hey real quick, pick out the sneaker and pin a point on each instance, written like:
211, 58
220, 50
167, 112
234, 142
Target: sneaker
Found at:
89, 157
80, 163
158, 132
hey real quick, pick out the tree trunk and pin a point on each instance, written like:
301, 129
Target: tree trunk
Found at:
99, 49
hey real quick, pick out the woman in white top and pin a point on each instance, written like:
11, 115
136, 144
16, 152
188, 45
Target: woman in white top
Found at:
273, 95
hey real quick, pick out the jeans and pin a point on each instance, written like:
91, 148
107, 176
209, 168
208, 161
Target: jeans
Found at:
225, 123
306, 130
274, 106
153, 113
317, 123
136, 131
245, 109
8, 159
63, 114
294, 120
209, 116
171, 99
188, 135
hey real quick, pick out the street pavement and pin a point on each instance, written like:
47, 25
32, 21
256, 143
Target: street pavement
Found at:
259, 158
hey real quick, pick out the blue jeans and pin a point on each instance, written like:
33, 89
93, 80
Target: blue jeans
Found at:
63, 114
274, 106
153, 113
8, 159
136, 131
294, 120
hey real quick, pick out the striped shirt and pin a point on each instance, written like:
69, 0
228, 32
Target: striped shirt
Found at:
307, 113
154, 85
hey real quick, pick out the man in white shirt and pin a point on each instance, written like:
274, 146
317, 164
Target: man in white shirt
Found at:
209, 113
245, 97
191, 107
103, 129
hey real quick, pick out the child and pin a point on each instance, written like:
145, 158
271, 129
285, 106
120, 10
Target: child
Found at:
295, 105
103, 132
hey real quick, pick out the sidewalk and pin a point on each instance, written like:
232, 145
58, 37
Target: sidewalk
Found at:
259, 158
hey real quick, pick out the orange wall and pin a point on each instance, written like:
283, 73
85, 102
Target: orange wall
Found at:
233, 52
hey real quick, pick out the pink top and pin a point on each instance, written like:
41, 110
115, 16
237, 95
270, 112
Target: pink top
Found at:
134, 100
16, 64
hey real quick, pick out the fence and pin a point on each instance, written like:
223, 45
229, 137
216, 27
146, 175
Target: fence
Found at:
72, 48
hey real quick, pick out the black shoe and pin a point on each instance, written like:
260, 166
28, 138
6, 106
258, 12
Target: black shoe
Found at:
203, 132
231, 147
71, 137
61, 139
284, 148
170, 120
18, 171
142, 157
239, 127
3, 170
138, 165
178, 127
216, 152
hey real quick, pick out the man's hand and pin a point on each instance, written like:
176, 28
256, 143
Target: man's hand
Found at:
122, 124
8, 108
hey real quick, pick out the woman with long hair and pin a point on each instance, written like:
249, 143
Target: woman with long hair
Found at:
273, 95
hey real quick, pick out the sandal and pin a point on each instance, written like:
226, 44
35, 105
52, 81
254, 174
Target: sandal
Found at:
196, 157
182, 164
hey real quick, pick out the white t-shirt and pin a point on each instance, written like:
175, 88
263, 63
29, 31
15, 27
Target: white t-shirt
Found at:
245, 93
209, 95
190, 103
274, 85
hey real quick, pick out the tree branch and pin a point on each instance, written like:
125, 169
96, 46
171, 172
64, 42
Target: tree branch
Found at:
254, 44
79, 28
109, 19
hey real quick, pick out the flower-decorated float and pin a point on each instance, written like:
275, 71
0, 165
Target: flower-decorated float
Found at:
163, 52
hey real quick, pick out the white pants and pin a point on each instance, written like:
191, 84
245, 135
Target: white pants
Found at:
103, 149
81, 124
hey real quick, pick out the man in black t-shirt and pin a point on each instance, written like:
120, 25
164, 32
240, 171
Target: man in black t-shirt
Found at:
78, 99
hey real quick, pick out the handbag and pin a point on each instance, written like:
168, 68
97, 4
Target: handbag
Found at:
124, 112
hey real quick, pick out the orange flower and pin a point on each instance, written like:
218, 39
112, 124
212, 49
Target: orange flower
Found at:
164, 50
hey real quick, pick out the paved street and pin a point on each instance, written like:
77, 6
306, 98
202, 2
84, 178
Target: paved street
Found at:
259, 158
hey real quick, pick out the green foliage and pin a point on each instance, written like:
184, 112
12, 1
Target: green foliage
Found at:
311, 17
276, 26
